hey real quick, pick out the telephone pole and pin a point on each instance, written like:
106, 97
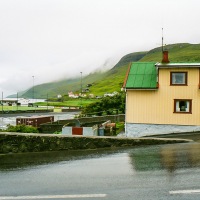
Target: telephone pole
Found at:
33, 87
81, 88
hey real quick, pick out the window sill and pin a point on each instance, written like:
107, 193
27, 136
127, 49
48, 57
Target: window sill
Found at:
180, 85
182, 112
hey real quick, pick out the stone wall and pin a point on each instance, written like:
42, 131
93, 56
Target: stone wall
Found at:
57, 126
30, 142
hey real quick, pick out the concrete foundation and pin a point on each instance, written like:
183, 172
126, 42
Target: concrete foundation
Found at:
140, 130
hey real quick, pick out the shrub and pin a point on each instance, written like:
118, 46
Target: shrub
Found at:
22, 129
109, 105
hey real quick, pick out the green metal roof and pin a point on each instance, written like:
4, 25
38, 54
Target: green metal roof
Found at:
142, 75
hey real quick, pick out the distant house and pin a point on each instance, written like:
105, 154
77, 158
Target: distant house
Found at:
162, 97
85, 90
82, 95
110, 94
72, 95
91, 95
8, 102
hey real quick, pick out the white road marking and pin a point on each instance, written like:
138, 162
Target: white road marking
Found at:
75, 196
185, 192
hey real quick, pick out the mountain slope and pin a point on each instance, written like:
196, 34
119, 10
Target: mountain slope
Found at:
112, 80
131, 57
183, 52
97, 79
61, 87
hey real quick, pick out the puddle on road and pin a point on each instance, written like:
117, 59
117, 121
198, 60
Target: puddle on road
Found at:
22, 160
168, 157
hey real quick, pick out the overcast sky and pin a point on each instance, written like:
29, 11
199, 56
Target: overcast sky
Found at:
54, 39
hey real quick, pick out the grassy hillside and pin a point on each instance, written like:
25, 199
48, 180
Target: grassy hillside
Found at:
102, 82
182, 52
112, 80
132, 57
62, 87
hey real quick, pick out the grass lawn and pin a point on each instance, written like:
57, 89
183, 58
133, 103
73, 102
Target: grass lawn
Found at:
69, 103
57, 105
14, 108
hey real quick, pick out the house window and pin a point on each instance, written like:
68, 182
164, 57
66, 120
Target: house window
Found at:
182, 106
178, 78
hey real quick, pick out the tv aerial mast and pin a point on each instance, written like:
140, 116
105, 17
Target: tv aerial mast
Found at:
162, 41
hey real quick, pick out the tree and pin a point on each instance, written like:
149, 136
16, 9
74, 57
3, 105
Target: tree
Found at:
106, 104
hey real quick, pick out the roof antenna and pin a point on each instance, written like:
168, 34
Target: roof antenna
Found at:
165, 58
162, 41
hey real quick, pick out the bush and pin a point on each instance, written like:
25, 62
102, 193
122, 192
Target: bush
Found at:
119, 127
22, 129
109, 105
57, 132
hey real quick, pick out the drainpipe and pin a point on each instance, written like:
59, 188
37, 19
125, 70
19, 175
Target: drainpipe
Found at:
125, 113
157, 75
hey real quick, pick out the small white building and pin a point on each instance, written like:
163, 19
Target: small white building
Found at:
84, 131
72, 95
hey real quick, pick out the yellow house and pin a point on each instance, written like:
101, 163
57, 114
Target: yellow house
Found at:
162, 98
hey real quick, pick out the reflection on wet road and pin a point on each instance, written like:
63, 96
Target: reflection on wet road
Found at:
181, 156
154, 172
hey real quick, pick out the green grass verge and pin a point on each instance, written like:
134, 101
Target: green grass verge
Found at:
23, 108
69, 103
57, 105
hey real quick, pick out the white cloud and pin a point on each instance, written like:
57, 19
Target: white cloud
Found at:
52, 39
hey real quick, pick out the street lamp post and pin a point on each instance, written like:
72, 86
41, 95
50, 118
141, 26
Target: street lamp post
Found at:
47, 101
17, 100
2, 103
33, 86
81, 88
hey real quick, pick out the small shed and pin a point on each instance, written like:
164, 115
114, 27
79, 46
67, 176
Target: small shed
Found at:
85, 131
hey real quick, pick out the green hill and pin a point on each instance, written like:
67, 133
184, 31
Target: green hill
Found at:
183, 52
112, 80
63, 87
132, 57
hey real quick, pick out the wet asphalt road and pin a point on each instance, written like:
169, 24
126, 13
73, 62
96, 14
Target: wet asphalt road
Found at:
125, 174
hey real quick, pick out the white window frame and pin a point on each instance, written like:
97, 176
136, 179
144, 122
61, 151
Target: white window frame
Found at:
185, 108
